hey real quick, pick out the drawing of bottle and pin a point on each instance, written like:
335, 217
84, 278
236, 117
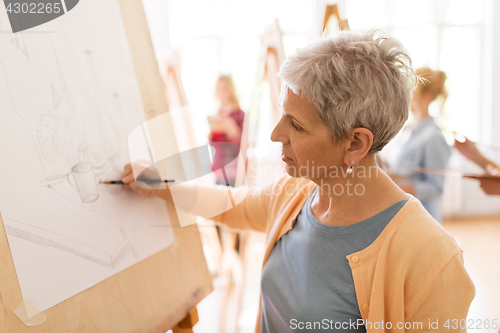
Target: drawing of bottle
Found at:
84, 181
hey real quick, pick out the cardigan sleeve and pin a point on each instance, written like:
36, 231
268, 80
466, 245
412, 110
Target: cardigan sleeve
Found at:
240, 208
445, 305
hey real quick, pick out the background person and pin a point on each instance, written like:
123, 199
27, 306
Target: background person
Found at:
425, 147
376, 254
470, 151
226, 127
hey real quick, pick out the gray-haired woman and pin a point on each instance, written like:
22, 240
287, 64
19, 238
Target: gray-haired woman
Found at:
347, 249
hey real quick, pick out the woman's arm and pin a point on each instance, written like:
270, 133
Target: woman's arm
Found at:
239, 208
470, 151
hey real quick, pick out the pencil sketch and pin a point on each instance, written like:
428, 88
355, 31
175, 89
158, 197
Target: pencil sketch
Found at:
67, 244
69, 99
92, 153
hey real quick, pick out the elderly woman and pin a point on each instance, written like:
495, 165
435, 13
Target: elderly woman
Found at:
347, 249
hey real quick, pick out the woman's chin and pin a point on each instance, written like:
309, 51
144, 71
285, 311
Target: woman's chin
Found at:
290, 170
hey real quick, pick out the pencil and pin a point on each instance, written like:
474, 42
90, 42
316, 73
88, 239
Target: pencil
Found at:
152, 181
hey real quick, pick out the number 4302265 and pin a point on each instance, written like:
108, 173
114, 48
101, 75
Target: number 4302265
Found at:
34, 8
477, 324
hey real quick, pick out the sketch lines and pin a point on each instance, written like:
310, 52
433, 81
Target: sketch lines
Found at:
64, 243
75, 91
17, 113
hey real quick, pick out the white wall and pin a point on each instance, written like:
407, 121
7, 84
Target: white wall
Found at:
464, 197
157, 13
495, 70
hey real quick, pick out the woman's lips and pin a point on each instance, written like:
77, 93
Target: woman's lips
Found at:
285, 158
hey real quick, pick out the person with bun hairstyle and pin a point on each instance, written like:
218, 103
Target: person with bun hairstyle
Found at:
426, 147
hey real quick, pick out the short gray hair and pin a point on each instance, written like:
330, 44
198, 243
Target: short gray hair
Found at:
354, 80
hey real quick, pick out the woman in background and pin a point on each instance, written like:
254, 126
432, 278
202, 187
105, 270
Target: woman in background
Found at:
226, 127
426, 146
490, 186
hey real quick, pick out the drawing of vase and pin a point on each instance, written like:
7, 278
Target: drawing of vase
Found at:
84, 181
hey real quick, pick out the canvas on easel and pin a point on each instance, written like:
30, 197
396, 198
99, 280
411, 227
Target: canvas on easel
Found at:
93, 271
272, 55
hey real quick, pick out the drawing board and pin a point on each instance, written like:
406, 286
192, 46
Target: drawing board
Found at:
70, 92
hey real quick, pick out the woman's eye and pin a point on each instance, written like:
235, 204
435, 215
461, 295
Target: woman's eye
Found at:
297, 128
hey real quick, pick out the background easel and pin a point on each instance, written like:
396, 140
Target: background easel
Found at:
332, 12
271, 57
158, 293
184, 133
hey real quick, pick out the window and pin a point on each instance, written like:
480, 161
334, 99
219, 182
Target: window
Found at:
440, 34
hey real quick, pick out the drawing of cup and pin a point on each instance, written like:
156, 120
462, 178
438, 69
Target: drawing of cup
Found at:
82, 179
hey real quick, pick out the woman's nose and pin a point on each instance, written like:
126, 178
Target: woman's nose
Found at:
277, 135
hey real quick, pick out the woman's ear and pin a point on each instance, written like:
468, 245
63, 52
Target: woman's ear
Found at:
359, 144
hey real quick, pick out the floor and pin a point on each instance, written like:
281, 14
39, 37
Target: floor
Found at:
478, 237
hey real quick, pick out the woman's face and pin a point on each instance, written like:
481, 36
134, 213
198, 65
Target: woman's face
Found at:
222, 92
308, 150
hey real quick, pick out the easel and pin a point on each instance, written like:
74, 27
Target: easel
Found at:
174, 89
271, 57
186, 325
146, 297
333, 10
176, 97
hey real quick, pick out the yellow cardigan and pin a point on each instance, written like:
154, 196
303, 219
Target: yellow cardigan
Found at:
412, 273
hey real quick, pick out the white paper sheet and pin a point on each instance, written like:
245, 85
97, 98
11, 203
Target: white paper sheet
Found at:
68, 100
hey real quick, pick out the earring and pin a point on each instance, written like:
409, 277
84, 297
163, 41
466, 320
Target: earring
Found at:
349, 168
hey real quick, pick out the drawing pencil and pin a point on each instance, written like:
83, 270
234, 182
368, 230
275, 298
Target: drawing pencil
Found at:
119, 182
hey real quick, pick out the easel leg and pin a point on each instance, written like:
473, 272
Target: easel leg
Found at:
186, 325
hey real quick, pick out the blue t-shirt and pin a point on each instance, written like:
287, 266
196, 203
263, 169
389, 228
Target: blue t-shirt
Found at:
307, 282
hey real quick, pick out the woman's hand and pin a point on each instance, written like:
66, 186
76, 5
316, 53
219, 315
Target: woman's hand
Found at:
224, 124
230, 127
185, 194
130, 182
490, 186
470, 151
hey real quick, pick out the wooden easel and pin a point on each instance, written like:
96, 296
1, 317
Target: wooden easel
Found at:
154, 295
174, 88
176, 97
271, 57
186, 325
333, 10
